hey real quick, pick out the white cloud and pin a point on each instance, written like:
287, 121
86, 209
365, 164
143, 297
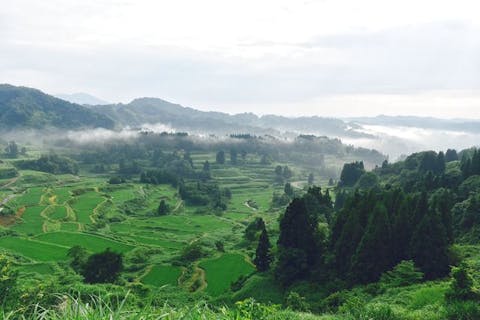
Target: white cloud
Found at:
326, 57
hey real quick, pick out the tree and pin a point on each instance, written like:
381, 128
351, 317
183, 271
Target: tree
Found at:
163, 208
12, 150
451, 155
287, 172
8, 281
297, 244
220, 158
278, 170
233, 156
351, 172
373, 255
103, 267
462, 286
404, 274
311, 178
206, 166
219, 246
288, 189
429, 246
78, 256
263, 258
251, 232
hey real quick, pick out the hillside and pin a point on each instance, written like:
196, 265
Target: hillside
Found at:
26, 108
153, 110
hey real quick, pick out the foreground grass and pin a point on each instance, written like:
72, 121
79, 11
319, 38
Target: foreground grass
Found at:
98, 309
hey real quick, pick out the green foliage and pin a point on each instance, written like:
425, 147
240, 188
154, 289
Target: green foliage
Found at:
296, 302
78, 256
462, 286
103, 267
263, 257
403, 274
50, 163
351, 172
8, 281
254, 228
163, 208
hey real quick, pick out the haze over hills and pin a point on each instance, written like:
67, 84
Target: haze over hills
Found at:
81, 98
26, 108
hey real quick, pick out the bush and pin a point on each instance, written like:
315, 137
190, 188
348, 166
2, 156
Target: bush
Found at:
403, 274
463, 310
296, 302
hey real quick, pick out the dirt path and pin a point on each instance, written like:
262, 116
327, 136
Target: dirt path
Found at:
177, 206
8, 184
248, 206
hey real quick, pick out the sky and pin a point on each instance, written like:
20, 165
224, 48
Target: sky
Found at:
329, 58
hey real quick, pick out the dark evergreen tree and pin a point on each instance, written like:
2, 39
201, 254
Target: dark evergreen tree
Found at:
163, 208
220, 158
297, 243
451, 155
373, 255
311, 178
263, 257
351, 172
288, 189
429, 246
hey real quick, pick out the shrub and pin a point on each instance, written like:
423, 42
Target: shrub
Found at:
403, 274
296, 302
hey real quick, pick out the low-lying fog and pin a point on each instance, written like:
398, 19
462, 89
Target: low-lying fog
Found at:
396, 141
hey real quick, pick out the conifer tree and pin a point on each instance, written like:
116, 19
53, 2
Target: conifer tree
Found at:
263, 257
429, 246
373, 255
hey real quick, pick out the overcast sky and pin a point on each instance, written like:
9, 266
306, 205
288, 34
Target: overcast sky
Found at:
293, 57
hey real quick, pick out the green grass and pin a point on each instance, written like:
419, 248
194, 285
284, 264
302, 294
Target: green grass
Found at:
222, 271
92, 243
31, 222
35, 250
162, 275
30, 198
57, 213
84, 205
40, 268
69, 226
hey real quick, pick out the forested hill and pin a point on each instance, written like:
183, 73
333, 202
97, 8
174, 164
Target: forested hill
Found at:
152, 110
26, 108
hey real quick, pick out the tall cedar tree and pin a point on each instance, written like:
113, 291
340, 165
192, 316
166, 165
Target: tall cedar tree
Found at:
263, 257
297, 243
373, 255
429, 246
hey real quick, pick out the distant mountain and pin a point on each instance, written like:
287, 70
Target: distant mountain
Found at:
22, 108
153, 110
81, 98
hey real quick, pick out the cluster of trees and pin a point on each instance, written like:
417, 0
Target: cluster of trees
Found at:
282, 173
471, 164
376, 230
12, 150
406, 211
351, 172
51, 163
102, 267
204, 194
220, 157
